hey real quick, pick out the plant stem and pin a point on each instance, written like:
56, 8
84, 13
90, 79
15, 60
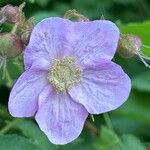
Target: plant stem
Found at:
108, 121
8, 77
14, 28
93, 130
8, 126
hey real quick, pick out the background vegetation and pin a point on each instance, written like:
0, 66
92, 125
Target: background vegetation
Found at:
128, 127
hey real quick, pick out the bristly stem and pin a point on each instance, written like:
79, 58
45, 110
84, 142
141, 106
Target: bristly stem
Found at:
8, 77
142, 59
5, 72
108, 121
14, 28
8, 126
3, 66
93, 130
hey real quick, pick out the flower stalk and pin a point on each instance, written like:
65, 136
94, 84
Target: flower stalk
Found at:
9, 126
108, 121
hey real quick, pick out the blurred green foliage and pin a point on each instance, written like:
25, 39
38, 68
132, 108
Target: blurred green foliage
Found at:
131, 122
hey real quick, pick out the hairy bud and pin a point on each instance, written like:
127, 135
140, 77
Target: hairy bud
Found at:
129, 45
11, 13
10, 45
74, 14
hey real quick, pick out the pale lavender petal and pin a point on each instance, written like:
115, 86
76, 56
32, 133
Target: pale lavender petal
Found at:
41, 65
23, 100
44, 95
56, 37
60, 118
95, 40
49, 40
104, 87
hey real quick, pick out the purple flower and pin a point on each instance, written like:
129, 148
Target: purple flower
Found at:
69, 73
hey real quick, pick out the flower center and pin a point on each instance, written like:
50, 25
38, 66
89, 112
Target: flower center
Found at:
64, 74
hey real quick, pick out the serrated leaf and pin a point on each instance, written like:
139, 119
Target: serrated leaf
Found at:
15, 142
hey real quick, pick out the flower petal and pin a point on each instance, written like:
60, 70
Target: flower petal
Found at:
56, 37
95, 40
23, 100
105, 87
60, 118
43, 97
48, 40
41, 65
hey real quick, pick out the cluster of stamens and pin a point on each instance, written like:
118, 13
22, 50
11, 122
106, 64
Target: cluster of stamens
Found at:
64, 74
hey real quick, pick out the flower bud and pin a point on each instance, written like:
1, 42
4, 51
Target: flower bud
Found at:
129, 45
12, 13
10, 45
70, 14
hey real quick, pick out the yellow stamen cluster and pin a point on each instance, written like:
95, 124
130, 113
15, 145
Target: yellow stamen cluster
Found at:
64, 74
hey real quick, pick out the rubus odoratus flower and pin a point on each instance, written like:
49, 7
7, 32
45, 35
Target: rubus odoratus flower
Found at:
69, 74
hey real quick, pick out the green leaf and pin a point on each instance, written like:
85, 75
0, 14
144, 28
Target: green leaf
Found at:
141, 30
132, 143
109, 140
133, 116
15, 142
32, 131
136, 108
13, 70
142, 82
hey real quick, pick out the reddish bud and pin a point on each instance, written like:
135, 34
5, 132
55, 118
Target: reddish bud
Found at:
12, 13
129, 45
10, 45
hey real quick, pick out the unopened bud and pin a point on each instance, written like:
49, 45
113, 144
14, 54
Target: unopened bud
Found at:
129, 45
11, 13
10, 45
74, 14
